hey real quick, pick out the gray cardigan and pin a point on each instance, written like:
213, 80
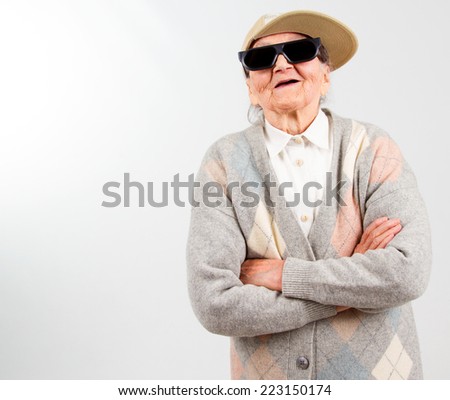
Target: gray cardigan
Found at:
297, 334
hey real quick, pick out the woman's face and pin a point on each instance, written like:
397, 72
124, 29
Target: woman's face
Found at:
288, 87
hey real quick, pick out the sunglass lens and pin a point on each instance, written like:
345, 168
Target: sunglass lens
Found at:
300, 51
260, 58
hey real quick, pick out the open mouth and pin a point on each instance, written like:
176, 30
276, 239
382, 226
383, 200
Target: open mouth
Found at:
286, 83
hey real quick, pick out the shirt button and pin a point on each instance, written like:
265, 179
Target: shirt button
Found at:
298, 140
299, 162
304, 218
302, 362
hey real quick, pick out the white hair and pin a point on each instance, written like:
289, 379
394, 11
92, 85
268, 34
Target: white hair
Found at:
255, 115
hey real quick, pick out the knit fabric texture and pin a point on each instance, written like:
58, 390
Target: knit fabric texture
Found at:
269, 330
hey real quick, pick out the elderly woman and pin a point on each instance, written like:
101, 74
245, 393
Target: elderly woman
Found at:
300, 256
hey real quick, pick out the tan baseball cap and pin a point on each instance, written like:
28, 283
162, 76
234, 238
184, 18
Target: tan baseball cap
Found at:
340, 42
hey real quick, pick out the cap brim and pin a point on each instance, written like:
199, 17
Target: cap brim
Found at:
340, 42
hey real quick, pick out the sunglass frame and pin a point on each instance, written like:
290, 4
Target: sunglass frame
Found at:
279, 49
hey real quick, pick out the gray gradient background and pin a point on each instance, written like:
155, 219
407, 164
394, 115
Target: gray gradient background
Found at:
90, 90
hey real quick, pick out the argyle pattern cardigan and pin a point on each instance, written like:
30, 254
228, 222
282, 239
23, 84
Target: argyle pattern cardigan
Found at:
269, 330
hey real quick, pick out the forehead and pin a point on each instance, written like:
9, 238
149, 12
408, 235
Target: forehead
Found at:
278, 38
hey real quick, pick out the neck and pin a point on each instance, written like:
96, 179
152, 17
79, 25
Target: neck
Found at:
292, 122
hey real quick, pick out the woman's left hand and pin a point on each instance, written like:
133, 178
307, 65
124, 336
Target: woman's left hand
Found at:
262, 272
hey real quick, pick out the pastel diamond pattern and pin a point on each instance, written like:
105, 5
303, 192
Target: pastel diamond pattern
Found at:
395, 362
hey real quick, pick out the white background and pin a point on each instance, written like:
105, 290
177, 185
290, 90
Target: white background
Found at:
92, 89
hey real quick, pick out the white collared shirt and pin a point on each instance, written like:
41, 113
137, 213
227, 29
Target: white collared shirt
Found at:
299, 159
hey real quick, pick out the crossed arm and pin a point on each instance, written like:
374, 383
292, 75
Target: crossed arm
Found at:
269, 272
390, 266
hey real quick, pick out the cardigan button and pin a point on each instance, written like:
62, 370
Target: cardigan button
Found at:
302, 362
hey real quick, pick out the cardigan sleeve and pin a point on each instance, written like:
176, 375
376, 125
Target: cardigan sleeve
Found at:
381, 278
216, 248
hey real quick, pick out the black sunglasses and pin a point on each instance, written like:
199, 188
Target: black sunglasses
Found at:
295, 52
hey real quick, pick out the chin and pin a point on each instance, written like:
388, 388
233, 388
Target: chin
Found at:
289, 107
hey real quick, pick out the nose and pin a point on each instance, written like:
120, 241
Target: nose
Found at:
281, 64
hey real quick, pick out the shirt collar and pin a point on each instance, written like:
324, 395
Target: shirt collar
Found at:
316, 133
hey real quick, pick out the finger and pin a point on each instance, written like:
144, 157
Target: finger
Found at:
251, 262
389, 236
372, 226
385, 226
377, 222
376, 242
374, 230
385, 242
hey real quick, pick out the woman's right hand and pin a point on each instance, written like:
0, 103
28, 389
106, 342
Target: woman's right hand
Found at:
378, 234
